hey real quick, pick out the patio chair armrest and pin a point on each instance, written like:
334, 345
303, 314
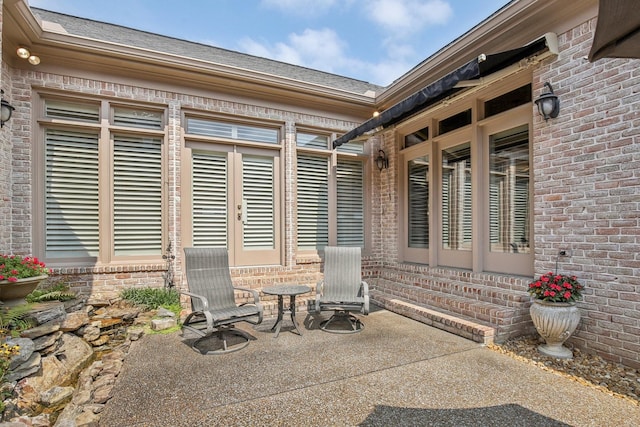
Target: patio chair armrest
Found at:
256, 295
202, 300
365, 294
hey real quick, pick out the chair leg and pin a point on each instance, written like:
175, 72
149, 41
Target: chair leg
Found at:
225, 335
341, 316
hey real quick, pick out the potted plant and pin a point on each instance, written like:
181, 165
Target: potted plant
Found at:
553, 311
19, 276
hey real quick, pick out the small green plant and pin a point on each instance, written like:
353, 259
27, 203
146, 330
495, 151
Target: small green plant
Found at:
57, 292
14, 319
152, 298
6, 354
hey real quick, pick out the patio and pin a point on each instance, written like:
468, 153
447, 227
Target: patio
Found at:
395, 372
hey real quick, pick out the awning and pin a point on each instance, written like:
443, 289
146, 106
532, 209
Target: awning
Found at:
618, 30
446, 86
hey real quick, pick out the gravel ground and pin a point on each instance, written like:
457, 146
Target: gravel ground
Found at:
612, 378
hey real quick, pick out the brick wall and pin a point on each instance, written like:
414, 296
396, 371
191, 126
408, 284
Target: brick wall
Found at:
108, 281
587, 190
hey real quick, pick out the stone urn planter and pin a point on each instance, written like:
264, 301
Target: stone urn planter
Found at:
555, 322
13, 293
554, 312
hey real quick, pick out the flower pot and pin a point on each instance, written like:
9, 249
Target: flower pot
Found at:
555, 322
13, 293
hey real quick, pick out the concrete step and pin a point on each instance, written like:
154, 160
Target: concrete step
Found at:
457, 324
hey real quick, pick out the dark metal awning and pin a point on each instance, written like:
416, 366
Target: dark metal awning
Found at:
618, 30
482, 66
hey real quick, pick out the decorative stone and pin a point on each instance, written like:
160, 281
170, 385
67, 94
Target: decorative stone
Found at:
162, 324
27, 347
57, 369
74, 321
100, 341
46, 341
56, 395
25, 369
45, 312
163, 312
91, 333
41, 330
109, 322
135, 334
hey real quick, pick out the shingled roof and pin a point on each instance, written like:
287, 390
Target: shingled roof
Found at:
111, 33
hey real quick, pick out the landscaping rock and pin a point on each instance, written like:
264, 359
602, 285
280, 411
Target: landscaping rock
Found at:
25, 369
44, 312
135, 334
91, 333
46, 342
163, 312
39, 331
56, 395
74, 321
27, 347
162, 324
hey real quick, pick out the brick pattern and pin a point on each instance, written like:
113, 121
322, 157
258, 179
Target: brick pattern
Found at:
587, 191
107, 282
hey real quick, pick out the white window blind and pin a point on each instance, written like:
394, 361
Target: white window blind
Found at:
71, 208
313, 202
137, 195
456, 198
137, 118
232, 131
509, 190
72, 110
308, 140
418, 203
350, 209
258, 202
209, 181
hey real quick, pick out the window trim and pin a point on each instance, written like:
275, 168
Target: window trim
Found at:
105, 130
476, 261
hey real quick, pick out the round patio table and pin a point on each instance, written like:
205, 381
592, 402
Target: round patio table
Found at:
281, 291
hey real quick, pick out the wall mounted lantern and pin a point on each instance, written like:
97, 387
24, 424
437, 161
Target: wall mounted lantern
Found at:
548, 103
6, 110
382, 161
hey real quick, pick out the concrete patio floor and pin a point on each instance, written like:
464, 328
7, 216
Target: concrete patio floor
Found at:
397, 372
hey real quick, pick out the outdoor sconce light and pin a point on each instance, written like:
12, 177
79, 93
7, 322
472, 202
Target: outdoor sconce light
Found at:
24, 53
548, 104
6, 110
382, 161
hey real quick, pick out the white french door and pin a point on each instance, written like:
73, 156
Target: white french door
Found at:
235, 200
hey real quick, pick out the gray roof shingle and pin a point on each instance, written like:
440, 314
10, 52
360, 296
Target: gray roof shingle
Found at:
154, 42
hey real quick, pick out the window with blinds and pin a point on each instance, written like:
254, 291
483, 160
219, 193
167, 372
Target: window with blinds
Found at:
509, 191
313, 201
137, 195
98, 206
209, 199
350, 202
456, 198
137, 118
258, 201
71, 194
236, 131
418, 194
330, 200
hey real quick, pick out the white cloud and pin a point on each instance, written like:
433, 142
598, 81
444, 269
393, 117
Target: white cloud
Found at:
319, 49
301, 7
401, 18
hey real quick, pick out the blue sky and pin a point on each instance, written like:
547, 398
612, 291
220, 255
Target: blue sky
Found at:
371, 40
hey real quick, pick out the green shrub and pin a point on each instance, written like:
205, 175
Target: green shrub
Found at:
57, 292
152, 298
14, 319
